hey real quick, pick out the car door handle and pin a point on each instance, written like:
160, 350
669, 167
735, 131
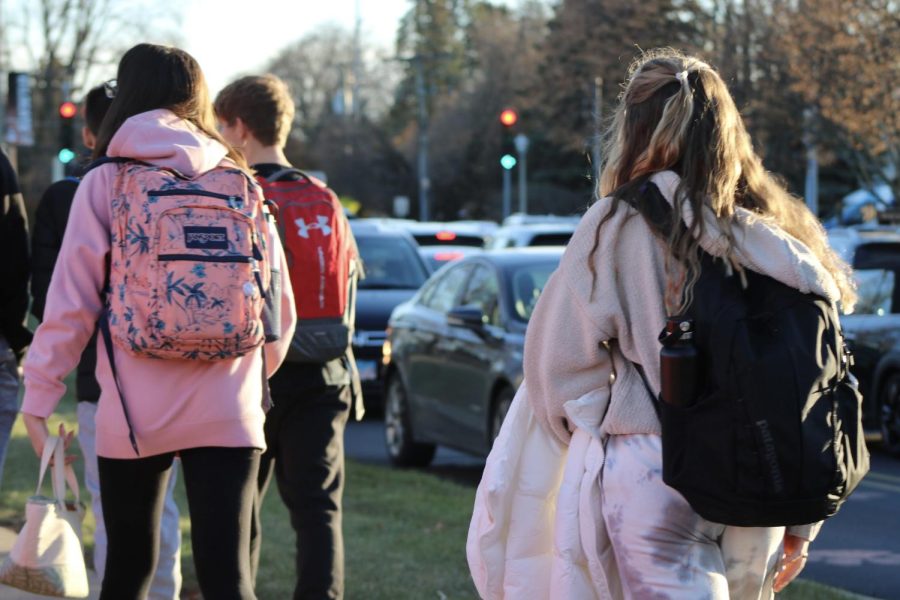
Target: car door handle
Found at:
444, 344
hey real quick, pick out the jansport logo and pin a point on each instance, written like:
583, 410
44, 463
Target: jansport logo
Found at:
321, 223
206, 238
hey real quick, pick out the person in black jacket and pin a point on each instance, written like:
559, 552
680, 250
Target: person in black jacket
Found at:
14, 336
49, 227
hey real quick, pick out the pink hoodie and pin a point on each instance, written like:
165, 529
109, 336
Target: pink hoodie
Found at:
173, 404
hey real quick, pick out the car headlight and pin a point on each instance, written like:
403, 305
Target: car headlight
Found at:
386, 348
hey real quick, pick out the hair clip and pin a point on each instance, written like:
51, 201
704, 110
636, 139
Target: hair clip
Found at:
681, 76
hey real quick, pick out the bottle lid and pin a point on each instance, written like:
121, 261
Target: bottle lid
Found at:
681, 327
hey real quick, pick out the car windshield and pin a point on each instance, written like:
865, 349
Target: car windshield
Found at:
875, 267
390, 263
526, 284
551, 239
875, 288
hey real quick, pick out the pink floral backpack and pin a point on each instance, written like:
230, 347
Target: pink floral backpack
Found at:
189, 276
189, 268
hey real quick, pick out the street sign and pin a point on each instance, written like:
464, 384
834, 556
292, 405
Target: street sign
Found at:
19, 129
401, 206
521, 141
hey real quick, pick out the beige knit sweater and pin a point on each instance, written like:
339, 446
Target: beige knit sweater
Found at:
568, 372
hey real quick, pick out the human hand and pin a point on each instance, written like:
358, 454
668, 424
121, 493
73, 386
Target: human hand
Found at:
38, 434
793, 559
67, 441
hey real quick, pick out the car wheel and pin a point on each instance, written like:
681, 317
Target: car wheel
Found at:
398, 435
890, 414
501, 407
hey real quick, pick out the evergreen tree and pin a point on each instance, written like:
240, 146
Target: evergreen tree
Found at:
431, 37
600, 38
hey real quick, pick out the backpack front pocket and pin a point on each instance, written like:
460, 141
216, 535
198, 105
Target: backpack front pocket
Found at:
208, 286
205, 297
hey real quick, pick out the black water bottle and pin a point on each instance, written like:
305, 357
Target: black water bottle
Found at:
678, 362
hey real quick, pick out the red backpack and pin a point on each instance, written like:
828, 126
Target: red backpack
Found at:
321, 255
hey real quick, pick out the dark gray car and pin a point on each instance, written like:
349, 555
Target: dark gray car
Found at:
394, 271
453, 358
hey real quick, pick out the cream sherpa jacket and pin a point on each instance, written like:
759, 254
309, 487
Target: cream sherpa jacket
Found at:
537, 530
563, 360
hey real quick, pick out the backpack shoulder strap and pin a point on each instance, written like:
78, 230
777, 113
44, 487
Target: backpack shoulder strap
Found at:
103, 160
278, 175
646, 198
103, 325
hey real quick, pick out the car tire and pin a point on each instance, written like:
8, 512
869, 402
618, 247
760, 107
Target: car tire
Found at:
402, 448
889, 419
502, 402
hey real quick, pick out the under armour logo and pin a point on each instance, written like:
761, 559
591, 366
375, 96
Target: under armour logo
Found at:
303, 227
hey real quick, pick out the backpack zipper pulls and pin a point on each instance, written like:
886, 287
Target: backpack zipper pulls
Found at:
257, 256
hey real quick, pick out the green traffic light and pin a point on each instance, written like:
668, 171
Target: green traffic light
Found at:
507, 161
66, 155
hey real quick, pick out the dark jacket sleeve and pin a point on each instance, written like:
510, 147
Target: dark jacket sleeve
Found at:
14, 267
49, 228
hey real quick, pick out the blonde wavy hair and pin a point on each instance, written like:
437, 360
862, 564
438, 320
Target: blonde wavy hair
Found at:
676, 113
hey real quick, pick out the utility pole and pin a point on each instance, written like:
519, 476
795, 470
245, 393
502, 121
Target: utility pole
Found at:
811, 191
596, 147
421, 94
3, 75
357, 63
417, 61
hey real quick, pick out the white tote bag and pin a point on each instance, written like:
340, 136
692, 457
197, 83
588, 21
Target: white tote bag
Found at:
47, 557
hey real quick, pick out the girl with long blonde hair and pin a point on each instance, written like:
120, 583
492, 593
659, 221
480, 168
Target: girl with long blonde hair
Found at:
572, 504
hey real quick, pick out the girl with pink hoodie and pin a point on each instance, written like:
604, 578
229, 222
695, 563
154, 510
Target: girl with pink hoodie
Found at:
209, 412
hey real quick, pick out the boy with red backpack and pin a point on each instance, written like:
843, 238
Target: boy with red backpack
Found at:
316, 388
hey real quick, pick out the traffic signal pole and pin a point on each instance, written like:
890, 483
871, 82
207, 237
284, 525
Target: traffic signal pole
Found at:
424, 181
509, 117
507, 192
507, 162
596, 146
521, 142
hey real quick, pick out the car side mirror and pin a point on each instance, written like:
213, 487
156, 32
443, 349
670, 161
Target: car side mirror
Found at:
469, 317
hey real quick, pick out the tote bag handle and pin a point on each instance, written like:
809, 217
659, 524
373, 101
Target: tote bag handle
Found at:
63, 474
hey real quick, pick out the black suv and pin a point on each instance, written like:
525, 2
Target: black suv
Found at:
394, 271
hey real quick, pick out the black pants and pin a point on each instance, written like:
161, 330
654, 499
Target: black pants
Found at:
221, 485
305, 439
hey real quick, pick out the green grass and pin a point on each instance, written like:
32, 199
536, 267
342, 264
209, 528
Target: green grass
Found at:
404, 531
404, 535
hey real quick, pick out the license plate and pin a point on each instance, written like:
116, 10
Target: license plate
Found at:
367, 370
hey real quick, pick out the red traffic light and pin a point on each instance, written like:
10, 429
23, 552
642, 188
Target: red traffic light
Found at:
67, 110
509, 117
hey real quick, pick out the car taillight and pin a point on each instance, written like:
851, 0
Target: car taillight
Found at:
445, 236
447, 256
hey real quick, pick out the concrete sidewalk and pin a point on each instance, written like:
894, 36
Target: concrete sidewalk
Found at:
7, 538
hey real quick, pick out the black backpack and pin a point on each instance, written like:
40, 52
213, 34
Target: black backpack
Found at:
775, 434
